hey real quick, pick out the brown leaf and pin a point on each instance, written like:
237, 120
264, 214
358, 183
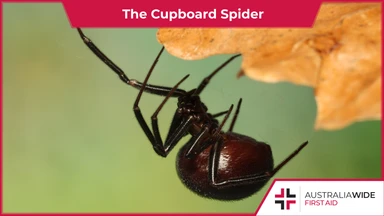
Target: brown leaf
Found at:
340, 57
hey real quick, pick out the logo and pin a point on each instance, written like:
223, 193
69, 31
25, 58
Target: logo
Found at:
285, 198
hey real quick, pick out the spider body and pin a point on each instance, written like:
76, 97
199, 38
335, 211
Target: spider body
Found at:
238, 156
191, 105
216, 164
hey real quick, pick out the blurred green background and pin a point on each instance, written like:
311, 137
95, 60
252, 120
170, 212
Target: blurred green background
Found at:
72, 143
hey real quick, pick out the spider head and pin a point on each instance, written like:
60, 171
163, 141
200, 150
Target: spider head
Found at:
191, 104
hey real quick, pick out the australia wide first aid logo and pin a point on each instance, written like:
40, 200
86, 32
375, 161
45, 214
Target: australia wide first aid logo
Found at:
324, 198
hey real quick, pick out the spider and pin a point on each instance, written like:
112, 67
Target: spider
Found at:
213, 163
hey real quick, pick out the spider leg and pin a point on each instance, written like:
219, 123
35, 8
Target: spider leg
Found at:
177, 130
154, 118
177, 134
155, 138
195, 144
235, 116
216, 115
216, 135
153, 89
176, 120
173, 135
214, 161
206, 80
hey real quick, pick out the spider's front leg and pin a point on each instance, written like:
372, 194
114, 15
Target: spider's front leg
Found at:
153, 89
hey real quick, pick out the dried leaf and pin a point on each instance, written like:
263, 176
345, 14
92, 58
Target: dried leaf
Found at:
340, 57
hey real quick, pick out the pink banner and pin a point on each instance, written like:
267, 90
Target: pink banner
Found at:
197, 13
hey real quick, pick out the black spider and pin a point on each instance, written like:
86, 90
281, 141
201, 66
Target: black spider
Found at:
213, 163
